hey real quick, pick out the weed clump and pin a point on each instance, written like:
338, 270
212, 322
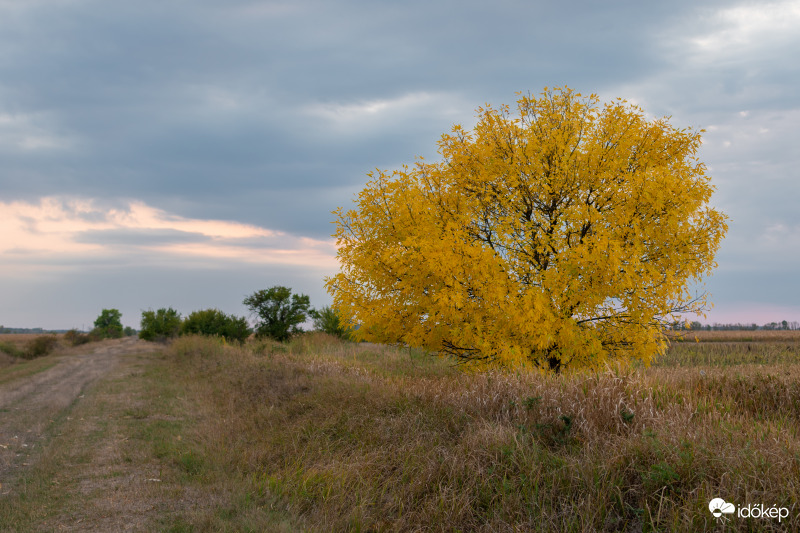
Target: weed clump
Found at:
74, 337
40, 346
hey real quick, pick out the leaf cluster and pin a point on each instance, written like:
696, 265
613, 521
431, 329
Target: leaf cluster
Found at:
214, 322
278, 312
108, 325
160, 325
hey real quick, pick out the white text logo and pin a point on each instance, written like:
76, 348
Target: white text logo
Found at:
719, 508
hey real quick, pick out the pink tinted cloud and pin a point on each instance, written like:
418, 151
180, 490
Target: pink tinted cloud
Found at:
63, 228
750, 313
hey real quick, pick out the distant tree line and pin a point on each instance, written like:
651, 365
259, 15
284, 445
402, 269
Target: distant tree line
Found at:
783, 325
36, 331
277, 315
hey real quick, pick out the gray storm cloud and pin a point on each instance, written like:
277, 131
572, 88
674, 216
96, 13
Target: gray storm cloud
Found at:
270, 114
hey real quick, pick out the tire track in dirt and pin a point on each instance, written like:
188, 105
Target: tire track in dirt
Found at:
30, 406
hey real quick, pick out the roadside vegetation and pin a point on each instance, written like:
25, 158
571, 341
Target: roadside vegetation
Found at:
28, 346
277, 313
20, 346
339, 436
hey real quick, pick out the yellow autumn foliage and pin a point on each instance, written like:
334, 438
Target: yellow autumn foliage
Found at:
563, 236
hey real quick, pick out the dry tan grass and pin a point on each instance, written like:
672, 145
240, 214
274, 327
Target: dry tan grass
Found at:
738, 336
27, 345
353, 437
6, 360
21, 339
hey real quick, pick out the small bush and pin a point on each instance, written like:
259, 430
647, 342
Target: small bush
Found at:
214, 322
74, 337
160, 325
97, 335
40, 346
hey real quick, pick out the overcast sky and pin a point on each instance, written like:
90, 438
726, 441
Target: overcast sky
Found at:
187, 153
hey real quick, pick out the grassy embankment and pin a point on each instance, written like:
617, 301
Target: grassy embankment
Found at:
347, 437
320, 435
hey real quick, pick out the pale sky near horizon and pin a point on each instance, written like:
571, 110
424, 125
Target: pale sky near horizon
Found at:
185, 154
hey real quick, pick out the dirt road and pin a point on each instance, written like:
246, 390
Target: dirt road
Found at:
31, 405
112, 437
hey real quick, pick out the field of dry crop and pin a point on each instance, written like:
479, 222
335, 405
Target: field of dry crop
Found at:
763, 335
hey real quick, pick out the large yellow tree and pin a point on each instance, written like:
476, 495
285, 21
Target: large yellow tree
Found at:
564, 235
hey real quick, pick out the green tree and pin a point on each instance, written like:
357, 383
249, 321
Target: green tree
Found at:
278, 311
328, 320
160, 325
108, 325
216, 323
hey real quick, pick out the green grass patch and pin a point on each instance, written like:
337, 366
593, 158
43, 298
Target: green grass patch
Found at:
26, 369
10, 349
